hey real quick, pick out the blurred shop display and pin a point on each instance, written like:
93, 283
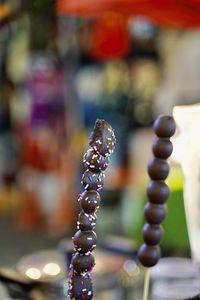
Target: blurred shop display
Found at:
62, 79
35, 124
63, 64
74, 70
165, 13
110, 37
8, 9
44, 174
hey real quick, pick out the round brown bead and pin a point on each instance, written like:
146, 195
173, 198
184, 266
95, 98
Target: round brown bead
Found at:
157, 192
84, 241
164, 126
158, 169
86, 221
89, 201
152, 234
94, 161
149, 255
80, 287
162, 148
154, 213
82, 263
92, 181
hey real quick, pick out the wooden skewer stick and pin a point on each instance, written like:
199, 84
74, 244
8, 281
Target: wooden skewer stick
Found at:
146, 283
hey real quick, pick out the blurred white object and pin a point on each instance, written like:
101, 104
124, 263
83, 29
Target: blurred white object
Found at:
175, 278
175, 290
180, 84
3, 293
173, 268
187, 153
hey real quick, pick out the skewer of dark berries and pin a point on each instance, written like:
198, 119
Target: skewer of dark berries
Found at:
102, 143
157, 193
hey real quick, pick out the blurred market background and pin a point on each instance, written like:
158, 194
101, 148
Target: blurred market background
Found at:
59, 72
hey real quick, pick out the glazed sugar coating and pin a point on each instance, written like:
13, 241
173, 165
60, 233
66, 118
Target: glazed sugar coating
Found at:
80, 287
93, 181
89, 201
157, 192
102, 138
158, 169
94, 161
84, 241
149, 255
86, 221
82, 263
152, 234
162, 148
164, 126
154, 213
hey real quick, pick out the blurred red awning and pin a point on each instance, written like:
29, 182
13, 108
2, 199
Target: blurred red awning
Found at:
177, 13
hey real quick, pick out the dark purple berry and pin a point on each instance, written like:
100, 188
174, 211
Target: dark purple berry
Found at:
89, 201
164, 126
86, 221
80, 287
94, 161
154, 213
152, 234
162, 148
82, 262
158, 169
92, 181
157, 192
149, 255
84, 241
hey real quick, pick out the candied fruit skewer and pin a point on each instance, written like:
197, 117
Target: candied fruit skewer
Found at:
157, 193
102, 143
